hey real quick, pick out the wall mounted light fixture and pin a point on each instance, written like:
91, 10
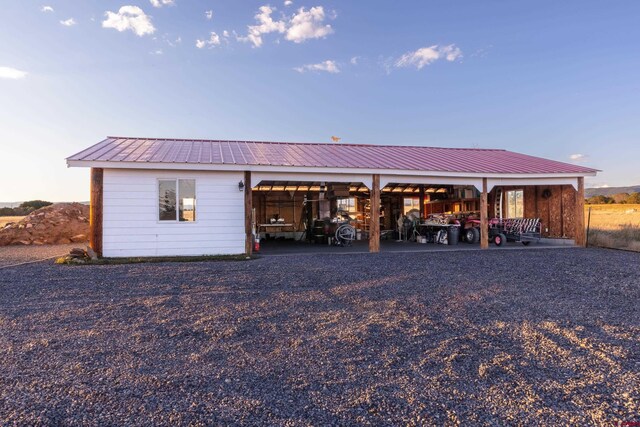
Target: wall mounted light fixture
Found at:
240, 186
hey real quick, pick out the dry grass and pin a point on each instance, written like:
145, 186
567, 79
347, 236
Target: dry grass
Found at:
4, 220
614, 226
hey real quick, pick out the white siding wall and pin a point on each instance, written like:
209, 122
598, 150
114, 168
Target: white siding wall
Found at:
131, 226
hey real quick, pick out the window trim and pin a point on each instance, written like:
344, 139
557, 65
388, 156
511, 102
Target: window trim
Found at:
157, 207
413, 206
506, 202
351, 210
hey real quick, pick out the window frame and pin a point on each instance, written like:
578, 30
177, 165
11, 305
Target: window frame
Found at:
177, 184
351, 209
415, 204
507, 204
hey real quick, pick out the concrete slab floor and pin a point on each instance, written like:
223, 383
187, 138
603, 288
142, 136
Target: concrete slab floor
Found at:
290, 247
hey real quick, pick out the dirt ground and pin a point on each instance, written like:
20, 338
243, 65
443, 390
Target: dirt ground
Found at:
517, 337
4, 220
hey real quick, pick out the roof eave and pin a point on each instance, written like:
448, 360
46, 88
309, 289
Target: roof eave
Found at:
302, 169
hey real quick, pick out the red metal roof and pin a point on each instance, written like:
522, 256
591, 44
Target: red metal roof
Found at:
327, 155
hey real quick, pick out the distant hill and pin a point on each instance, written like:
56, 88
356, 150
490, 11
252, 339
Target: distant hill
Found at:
610, 191
16, 204
9, 204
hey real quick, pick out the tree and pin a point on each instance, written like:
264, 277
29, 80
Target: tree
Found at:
32, 205
598, 200
620, 197
634, 198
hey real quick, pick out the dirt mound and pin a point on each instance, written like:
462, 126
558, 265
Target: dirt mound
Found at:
56, 224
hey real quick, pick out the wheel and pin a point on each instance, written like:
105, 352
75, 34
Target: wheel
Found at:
472, 235
526, 243
345, 234
500, 239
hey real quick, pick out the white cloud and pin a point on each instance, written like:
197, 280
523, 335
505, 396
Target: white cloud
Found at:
46, 9
288, 3
328, 66
354, 60
172, 43
266, 25
578, 158
225, 34
129, 18
301, 26
214, 40
12, 73
160, 3
157, 52
308, 25
427, 55
68, 22
209, 14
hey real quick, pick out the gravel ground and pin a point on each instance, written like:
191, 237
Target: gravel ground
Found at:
18, 254
483, 338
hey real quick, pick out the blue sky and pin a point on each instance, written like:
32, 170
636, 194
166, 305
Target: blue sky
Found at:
547, 78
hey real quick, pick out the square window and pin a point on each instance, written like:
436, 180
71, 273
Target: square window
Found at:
177, 200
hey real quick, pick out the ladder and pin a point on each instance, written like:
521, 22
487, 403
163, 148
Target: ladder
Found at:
498, 203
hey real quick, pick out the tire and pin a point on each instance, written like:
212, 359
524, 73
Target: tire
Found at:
500, 239
472, 235
526, 243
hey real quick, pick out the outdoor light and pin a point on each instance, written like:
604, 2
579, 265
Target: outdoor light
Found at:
240, 186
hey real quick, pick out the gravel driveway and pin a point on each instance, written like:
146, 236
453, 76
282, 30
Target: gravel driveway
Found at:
18, 254
483, 338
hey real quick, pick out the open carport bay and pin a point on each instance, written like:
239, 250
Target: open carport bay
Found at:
490, 338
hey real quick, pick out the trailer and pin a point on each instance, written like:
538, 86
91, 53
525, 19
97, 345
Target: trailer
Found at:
523, 230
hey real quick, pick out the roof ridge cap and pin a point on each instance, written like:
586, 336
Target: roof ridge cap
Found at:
306, 143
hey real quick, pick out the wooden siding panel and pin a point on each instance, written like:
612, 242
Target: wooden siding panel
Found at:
555, 212
568, 203
131, 226
530, 202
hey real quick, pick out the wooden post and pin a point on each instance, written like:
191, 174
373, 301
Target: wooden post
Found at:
581, 237
562, 234
309, 210
95, 210
248, 209
484, 222
422, 215
374, 211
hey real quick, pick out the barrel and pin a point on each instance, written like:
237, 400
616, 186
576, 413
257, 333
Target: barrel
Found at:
453, 234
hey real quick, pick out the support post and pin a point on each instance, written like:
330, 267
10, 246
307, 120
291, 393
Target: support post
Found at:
309, 210
374, 212
581, 238
484, 221
248, 211
95, 210
422, 215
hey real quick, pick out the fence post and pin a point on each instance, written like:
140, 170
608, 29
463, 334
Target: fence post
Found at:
588, 227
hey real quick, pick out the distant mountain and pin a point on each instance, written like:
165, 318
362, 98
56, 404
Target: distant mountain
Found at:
9, 204
16, 204
610, 191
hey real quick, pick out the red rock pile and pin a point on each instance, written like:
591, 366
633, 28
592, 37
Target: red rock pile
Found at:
59, 223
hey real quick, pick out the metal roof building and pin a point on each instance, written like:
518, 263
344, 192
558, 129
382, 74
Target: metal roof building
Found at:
130, 177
